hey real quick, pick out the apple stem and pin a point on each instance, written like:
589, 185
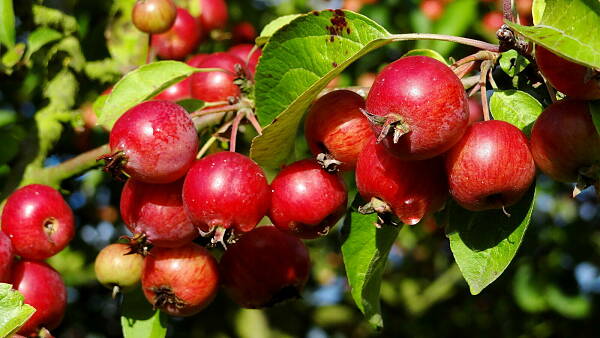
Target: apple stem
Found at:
234, 130
550, 90
474, 89
250, 116
221, 109
485, 67
465, 41
491, 79
505, 212
115, 291
149, 49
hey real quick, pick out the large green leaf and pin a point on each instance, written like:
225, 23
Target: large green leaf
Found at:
569, 28
138, 319
7, 23
13, 311
365, 251
140, 85
484, 243
297, 63
515, 107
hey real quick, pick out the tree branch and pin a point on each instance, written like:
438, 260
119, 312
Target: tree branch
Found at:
465, 41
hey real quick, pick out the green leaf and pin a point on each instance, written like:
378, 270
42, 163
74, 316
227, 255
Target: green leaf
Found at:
140, 85
528, 290
13, 311
297, 63
458, 17
484, 243
571, 306
7, 23
139, 320
99, 104
38, 38
13, 55
515, 107
44, 16
10, 139
595, 110
7, 117
568, 28
273, 27
191, 105
62, 90
426, 52
537, 10
71, 46
365, 250
106, 71
512, 63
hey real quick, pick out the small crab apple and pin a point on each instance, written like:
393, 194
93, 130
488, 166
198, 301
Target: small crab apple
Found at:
475, 111
492, 21
117, 268
574, 80
243, 52
179, 41
43, 288
153, 142
418, 107
156, 212
217, 85
213, 14
432, 9
38, 221
154, 16
491, 167
306, 200
564, 143
336, 125
180, 281
408, 189
7, 257
243, 32
179, 91
265, 267
226, 190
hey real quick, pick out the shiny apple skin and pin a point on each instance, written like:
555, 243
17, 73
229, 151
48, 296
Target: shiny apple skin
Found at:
179, 41
413, 189
7, 257
116, 266
243, 52
218, 85
429, 97
38, 221
154, 16
491, 166
306, 200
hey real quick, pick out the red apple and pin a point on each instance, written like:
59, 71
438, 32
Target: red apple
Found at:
179, 41
574, 80
336, 125
491, 167
411, 189
243, 32
154, 16
243, 52
564, 142
213, 14
6, 258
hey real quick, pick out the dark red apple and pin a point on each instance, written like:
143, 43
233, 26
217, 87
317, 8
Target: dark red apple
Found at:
154, 16
43, 288
156, 211
574, 80
411, 189
180, 281
7, 257
38, 221
218, 85
424, 105
179, 91
264, 268
179, 41
306, 200
564, 142
213, 14
491, 167
243, 32
336, 125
